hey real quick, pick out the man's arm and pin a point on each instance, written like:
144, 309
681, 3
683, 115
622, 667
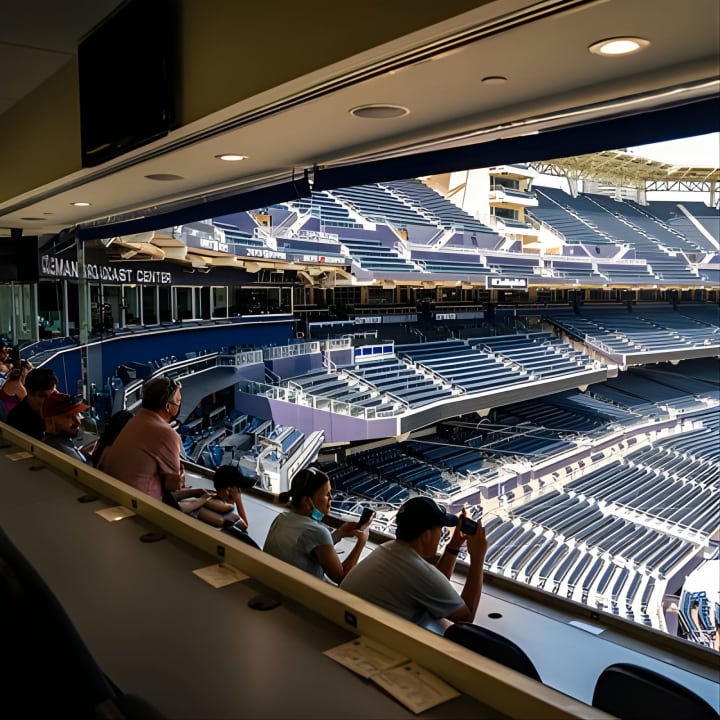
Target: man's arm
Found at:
477, 547
328, 557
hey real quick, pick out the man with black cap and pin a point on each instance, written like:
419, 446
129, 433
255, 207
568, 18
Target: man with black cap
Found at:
398, 576
27, 416
61, 413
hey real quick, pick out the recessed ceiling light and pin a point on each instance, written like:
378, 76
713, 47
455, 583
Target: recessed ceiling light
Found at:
494, 80
81, 204
379, 111
164, 177
613, 47
229, 157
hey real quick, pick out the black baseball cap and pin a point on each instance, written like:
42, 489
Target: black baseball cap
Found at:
422, 513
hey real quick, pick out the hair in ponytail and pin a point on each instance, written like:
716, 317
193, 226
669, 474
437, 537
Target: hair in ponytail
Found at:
305, 484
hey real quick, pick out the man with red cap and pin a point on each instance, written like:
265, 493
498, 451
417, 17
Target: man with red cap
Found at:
61, 413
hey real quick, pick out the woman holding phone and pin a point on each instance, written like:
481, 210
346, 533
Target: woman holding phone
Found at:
299, 536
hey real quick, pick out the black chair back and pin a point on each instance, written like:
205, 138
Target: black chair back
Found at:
48, 670
492, 645
630, 691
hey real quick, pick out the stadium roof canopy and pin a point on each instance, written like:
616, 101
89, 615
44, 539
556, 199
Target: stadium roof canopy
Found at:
627, 170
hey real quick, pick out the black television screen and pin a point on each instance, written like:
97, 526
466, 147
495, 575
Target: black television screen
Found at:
127, 80
19, 259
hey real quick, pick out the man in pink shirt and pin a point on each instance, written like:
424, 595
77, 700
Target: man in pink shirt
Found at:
146, 453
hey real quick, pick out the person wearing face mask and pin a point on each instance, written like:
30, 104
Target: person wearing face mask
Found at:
146, 454
299, 536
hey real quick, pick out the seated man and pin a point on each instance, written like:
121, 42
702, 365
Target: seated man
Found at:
61, 413
146, 453
26, 416
398, 576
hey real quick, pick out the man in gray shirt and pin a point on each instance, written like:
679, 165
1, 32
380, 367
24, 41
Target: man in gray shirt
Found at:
399, 575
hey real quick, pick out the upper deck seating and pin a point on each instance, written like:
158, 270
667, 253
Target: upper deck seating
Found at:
419, 195
470, 369
685, 217
373, 255
552, 211
376, 204
327, 208
642, 221
670, 268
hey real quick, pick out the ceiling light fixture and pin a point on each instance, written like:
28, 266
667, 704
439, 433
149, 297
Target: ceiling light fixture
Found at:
81, 204
494, 80
164, 177
379, 111
618, 46
229, 157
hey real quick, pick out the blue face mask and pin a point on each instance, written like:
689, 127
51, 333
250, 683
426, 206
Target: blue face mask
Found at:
315, 514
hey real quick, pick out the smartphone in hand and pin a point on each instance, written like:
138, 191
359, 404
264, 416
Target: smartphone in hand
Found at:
468, 526
365, 518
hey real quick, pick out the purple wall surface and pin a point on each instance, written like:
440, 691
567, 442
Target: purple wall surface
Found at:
292, 366
337, 428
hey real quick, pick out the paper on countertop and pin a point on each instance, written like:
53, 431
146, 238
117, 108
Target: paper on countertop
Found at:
113, 514
594, 629
220, 575
365, 656
413, 686
22, 455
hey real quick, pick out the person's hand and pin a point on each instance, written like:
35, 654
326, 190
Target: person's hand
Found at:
458, 537
477, 544
174, 482
232, 519
347, 529
362, 534
201, 492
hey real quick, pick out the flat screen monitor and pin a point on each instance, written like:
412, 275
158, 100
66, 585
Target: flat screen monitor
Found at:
19, 259
127, 80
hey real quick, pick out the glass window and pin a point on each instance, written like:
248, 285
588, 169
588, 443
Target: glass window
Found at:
165, 298
184, 303
219, 302
205, 303
131, 304
149, 305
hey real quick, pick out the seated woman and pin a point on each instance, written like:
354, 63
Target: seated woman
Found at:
115, 424
13, 389
300, 538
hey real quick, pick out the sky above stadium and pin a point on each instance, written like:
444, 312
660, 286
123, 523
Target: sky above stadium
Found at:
700, 151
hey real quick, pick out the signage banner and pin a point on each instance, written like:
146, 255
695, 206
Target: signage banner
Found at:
500, 283
59, 267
